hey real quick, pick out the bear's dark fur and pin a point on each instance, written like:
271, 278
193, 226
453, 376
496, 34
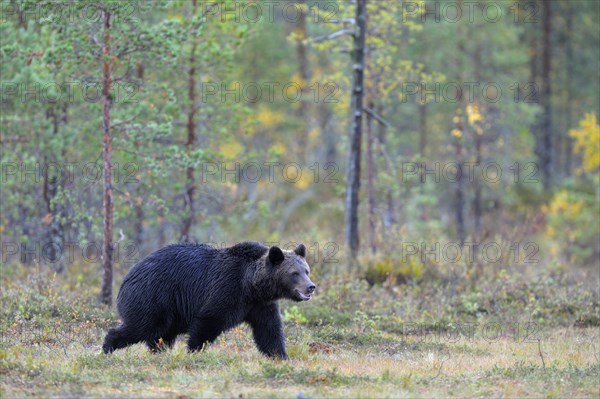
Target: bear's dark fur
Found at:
204, 291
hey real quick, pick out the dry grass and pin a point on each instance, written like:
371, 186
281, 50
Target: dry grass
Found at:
411, 367
348, 342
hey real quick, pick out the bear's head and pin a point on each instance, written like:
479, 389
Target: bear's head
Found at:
291, 273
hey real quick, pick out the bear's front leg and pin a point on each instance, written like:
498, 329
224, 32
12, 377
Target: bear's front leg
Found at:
267, 329
204, 331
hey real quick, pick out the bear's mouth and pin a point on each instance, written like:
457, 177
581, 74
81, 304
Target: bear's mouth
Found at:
304, 297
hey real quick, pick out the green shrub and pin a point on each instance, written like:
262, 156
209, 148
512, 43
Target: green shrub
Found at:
392, 271
572, 226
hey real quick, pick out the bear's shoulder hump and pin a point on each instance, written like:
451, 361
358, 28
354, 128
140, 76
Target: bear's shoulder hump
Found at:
248, 249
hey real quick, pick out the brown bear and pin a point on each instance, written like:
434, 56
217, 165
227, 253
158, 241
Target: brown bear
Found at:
203, 291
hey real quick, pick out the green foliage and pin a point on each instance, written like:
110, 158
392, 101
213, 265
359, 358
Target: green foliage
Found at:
294, 314
152, 44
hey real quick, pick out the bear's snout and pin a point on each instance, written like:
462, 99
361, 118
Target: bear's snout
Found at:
306, 294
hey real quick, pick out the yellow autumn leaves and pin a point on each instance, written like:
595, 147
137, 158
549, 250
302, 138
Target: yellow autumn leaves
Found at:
587, 142
570, 211
474, 118
563, 204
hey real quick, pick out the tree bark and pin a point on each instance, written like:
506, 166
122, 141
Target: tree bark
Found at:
162, 238
55, 233
353, 174
139, 225
371, 182
546, 148
389, 214
570, 74
477, 208
107, 252
422, 128
329, 137
459, 205
303, 71
191, 139
422, 145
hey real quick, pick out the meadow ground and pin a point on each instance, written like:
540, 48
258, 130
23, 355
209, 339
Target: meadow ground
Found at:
511, 338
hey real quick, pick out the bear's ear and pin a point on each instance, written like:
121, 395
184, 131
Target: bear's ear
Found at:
300, 250
276, 255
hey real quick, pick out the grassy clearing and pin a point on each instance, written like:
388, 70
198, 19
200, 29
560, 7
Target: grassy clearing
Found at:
232, 367
352, 340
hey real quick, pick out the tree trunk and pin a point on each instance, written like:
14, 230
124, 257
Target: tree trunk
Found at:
328, 135
191, 139
139, 225
107, 252
478, 136
371, 182
459, 205
303, 111
545, 152
389, 214
477, 210
570, 72
353, 174
55, 233
422, 128
422, 144
162, 237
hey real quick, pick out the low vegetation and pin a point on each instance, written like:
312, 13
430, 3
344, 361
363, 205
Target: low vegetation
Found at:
516, 334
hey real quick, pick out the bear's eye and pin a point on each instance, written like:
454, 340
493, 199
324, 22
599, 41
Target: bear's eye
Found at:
295, 274
307, 272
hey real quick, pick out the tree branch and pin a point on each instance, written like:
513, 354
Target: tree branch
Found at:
332, 36
342, 21
377, 117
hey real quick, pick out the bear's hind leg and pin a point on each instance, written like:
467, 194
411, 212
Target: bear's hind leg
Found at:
204, 331
170, 341
118, 338
162, 343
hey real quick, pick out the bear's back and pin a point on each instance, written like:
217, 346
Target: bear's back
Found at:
250, 251
197, 260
